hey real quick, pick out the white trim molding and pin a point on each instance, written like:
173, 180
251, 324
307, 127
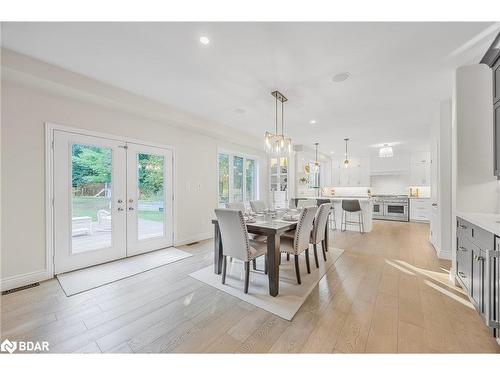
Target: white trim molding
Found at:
17, 281
197, 238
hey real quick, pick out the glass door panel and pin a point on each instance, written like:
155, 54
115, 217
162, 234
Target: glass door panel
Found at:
149, 198
89, 199
91, 179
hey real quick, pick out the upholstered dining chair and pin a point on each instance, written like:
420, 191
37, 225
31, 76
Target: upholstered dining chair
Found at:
301, 203
241, 207
318, 232
236, 243
237, 206
258, 206
300, 241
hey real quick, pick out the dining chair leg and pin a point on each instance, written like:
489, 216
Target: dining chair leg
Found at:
308, 266
254, 264
265, 264
224, 266
287, 256
315, 248
247, 276
297, 270
323, 247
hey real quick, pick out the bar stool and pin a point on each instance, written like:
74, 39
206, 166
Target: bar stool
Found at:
351, 206
331, 219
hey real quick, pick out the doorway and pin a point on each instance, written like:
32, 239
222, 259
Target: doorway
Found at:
112, 199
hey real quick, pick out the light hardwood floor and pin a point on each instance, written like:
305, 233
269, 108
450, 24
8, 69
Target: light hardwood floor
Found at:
387, 293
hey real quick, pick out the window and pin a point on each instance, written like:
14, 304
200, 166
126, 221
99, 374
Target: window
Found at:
237, 178
223, 180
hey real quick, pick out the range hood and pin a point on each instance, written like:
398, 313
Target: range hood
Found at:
397, 165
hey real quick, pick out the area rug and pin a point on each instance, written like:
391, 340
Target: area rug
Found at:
291, 295
93, 277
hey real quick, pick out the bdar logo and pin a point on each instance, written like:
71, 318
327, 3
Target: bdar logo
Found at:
8, 346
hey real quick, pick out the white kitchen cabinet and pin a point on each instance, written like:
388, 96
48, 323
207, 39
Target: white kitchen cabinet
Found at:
420, 169
356, 174
420, 209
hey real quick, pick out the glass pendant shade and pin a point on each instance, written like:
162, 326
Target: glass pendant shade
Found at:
385, 152
277, 144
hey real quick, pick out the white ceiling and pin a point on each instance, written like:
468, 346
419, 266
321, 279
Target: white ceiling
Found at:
398, 72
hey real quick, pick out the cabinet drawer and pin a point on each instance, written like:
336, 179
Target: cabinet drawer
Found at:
464, 258
464, 228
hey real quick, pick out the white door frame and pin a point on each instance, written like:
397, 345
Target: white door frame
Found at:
49, 182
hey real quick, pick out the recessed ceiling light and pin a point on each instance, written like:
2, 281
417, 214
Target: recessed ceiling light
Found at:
240, 111
332, 152
204, 40
312, 122
340, 77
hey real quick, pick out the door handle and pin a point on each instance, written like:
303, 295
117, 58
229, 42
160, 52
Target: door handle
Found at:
120, 209
434, 204
131, 208
462, 226
462, 274
462, 248
120, 201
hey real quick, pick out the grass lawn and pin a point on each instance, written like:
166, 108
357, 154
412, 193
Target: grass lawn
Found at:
88, 206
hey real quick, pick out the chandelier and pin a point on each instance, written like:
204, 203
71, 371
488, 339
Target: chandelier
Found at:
385, 152
277, 144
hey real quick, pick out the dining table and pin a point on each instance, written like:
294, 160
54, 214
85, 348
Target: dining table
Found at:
272, 226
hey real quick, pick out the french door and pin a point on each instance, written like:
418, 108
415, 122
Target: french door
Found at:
112, 199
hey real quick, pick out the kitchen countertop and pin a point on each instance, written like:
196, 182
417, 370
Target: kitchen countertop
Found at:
338, 198
420, 197
489, 222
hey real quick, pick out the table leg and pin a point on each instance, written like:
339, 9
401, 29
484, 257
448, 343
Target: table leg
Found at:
217, 250
273, 267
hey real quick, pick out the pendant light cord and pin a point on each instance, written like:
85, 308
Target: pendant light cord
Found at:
276, 114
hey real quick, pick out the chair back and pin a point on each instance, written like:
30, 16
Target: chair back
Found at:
351, 205
304, 228
320, 222
234, 234
307, 203
258, 206
240, 206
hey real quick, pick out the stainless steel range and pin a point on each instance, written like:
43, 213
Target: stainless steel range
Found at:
390, 207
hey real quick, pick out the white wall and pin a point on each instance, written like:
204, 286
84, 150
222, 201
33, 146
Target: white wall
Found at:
477, 189
30, 98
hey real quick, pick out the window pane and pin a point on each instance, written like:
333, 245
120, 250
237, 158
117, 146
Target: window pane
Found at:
91, 198
250, 180
223, 180
151, 202
237, 179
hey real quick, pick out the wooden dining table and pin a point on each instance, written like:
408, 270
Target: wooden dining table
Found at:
270, 227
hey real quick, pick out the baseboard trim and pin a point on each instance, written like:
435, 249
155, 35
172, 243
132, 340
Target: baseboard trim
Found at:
444, 254
200, 237
17, 281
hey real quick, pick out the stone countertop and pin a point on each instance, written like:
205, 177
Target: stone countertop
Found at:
489, 222
339, 198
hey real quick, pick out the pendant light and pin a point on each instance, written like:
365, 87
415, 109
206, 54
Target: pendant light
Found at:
386, 151
277, 144
316, 164
346, 161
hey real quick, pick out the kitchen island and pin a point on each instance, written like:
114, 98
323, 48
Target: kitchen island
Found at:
366, 210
